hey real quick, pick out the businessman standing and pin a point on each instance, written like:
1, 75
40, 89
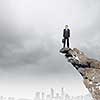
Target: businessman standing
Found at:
66, 35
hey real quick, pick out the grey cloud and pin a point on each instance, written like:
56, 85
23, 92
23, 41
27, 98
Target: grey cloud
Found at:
13, 52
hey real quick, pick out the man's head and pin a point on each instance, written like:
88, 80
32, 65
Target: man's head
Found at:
66, 26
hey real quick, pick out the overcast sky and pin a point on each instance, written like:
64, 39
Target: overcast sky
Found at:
30, 39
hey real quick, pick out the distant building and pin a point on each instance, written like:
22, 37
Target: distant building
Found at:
37, 96
10, 98
58, 97
67, 97
43, 96
48, 97
1, 98
52, 93
62, 93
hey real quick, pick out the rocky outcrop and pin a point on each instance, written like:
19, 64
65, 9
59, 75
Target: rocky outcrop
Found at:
89, 69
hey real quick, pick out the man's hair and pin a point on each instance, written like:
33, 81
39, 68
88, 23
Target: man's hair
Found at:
66, 25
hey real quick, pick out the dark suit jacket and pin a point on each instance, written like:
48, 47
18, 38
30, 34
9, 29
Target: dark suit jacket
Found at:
66, 33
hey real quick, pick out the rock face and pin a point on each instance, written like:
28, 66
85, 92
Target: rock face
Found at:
89, 69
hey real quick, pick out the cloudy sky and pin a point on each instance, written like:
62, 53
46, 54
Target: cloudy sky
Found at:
30, 39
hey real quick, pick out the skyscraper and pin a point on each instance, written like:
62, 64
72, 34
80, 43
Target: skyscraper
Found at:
62, 93
37, 96
43, 96
52, 93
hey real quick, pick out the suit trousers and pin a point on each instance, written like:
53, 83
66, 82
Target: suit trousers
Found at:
64, 43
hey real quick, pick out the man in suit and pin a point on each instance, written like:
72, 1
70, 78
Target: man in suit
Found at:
66, 35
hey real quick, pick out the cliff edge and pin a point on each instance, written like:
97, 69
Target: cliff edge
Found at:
89, 68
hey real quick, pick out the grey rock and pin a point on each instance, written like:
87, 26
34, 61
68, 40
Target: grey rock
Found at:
88, 67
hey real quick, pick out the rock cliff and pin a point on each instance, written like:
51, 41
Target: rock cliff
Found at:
89, 69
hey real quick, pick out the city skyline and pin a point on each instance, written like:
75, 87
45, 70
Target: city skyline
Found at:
51, 95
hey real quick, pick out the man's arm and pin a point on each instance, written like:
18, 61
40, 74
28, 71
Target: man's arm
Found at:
64, 33
68, 32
